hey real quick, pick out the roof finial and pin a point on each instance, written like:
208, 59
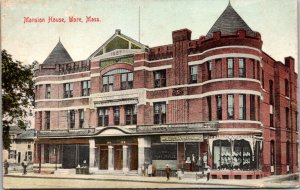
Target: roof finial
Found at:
59, 38
229, 3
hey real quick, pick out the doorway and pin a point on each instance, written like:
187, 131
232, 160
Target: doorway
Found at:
118, 158
103, 158
133, 157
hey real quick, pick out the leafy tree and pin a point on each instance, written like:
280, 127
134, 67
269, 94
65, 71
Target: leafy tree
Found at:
17, 94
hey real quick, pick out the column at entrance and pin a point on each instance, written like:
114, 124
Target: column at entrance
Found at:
110, 158
125, 160
92, 153
144, 147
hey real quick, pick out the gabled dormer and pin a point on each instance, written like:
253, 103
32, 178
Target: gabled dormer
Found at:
117, 46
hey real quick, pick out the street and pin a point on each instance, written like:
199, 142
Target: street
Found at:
39, 183
55, 181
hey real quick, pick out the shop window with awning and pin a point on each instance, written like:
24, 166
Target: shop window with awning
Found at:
235, 153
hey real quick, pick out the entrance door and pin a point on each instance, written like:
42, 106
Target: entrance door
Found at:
19, 157
134, 157
69, 156
84, 154
118, 158
103, 158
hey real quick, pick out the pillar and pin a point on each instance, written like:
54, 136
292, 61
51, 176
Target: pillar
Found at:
144, 145
125, 161
122, 115
110, 158
92, 153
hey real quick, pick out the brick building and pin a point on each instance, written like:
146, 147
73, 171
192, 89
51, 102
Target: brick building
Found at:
219, 98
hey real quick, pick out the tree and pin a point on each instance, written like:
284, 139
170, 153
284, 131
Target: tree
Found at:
17, 94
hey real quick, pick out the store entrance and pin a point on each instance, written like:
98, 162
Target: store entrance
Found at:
191, 155
133, 157
118, 158
103, 158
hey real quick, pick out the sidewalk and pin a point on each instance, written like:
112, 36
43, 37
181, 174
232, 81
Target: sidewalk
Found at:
267, 182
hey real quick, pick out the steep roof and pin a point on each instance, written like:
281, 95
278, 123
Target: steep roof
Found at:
58, 55
229, 23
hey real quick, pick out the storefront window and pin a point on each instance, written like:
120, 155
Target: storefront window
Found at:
232, 155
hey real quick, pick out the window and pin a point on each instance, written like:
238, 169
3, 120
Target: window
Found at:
271, 120
242, 110
48, 91
159, 78
296, 115
41, 120
287, 90
116, 115
258, 70
209, 107
160, 113
126, 81
232, 155
102, 117
230, 106
219, 107
130, 114
209, 68
272, 151
252, 107
68, 87
287, 118
107, 83
85, 88
81, 118
288, 153
230, 69
194, 74
271, 92
242, 72
253, 68
47, 119
263, 78
258, 107
71, 119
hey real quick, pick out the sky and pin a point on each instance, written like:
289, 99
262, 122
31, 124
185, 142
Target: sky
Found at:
276, 20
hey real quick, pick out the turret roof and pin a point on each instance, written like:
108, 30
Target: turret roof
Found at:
58, 55
229, 23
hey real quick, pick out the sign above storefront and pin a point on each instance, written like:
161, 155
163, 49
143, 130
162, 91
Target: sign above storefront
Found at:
182, 138
193, 127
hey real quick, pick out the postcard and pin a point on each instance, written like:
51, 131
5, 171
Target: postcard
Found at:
149, 94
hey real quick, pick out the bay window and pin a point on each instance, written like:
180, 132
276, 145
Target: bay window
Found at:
232, 155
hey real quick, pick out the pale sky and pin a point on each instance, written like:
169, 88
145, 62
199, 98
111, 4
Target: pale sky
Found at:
276, 20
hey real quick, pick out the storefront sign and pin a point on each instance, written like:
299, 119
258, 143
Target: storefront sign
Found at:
194, 127
182, 138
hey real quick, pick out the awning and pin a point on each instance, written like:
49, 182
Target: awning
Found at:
251, 139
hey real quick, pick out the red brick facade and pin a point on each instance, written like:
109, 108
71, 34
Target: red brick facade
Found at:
186, 103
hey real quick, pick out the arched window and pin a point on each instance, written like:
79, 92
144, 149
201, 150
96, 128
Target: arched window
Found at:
108, 79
